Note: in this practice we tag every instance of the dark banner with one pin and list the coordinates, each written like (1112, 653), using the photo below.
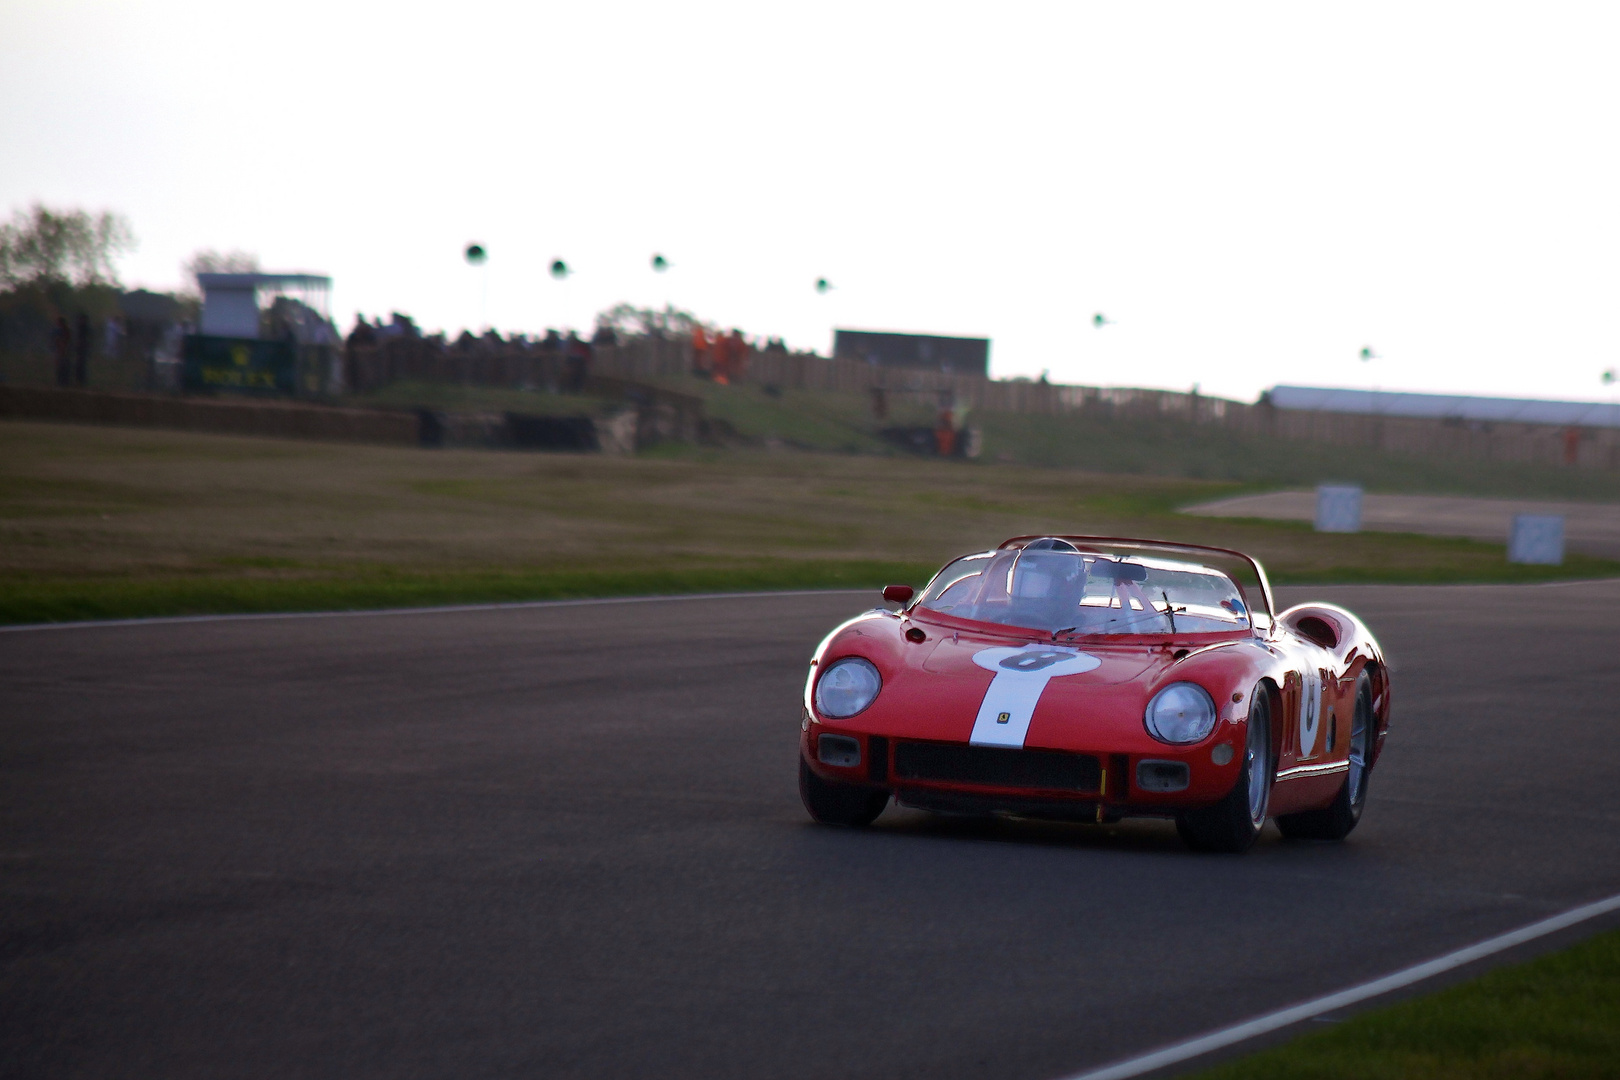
(239, 365)
(952, 355)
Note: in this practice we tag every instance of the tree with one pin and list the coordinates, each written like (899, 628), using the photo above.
(628, 320)
(41, 246)
(209, 261)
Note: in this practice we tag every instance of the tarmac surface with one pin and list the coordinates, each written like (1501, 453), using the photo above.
(567, 842)
(1589, 528)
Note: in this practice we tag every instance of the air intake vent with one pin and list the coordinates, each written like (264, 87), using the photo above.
(839, 750)
(1163, 775)
(1043, 770)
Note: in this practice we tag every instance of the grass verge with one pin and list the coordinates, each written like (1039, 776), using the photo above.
(371, 587)
(257, 589)
(1555, 1017)
(110, 523)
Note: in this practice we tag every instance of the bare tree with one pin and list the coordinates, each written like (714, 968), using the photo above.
(40, 245)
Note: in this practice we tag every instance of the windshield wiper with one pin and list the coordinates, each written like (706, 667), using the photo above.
(1065, 630)
(1170, 610)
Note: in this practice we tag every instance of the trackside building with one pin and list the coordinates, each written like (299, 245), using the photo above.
(927, 352)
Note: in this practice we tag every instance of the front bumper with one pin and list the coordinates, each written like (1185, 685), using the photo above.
(1094, 784)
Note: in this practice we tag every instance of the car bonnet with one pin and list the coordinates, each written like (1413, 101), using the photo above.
(969, 654)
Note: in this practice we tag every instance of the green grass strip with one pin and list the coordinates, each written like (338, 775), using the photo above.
(1555, 1017)
(25, 599)
(30, 601)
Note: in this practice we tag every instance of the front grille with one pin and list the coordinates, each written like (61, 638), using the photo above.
(1043, 770)
(877, 769)
(1119, 777)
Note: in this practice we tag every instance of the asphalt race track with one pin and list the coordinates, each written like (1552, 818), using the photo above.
(567, 842)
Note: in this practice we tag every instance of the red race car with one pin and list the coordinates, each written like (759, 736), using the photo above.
(1087, 678)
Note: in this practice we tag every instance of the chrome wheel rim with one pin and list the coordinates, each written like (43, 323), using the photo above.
(1255, 761)
(1359, 731)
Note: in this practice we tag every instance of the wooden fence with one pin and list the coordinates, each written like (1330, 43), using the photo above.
(666, 360)
(647, 359)
(653, 373)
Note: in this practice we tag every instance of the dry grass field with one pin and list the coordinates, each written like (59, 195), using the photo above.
(109, 522)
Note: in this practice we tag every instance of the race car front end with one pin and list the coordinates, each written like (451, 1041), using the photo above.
(968, 723)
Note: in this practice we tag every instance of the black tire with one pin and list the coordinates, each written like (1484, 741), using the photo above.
(1334, 821)
(1231, 825)
(839, 804)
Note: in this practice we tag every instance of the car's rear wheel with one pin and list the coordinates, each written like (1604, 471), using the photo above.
(1334, 821)
(1232, 824)
(839, 804)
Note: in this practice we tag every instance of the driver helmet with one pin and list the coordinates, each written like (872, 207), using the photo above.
(1050, 571)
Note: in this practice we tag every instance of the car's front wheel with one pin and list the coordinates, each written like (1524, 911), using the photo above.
(839, 804)
(1232, 824)
(1334, 821)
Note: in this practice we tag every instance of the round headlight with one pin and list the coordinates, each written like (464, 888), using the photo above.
(847, 687)
(1181, 713)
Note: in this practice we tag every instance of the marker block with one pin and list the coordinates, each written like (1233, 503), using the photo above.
(1537, 538)
(1338, 508)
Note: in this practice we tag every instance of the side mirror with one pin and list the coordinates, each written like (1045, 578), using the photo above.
(898, 594)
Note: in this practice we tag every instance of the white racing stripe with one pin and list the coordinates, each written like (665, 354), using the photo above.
(1261, 1025)
(1007, 709)
(1021, 677)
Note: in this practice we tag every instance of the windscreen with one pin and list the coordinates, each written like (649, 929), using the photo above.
(1081, 593)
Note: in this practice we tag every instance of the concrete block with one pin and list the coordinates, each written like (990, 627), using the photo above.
(1537, 538)
(1338, 508)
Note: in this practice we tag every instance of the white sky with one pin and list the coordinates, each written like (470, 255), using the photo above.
(1250, 192)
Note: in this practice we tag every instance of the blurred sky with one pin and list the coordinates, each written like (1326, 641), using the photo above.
(1250, 192)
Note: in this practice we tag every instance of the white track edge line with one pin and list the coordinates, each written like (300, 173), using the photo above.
(1215, 1040)
(513, 605)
